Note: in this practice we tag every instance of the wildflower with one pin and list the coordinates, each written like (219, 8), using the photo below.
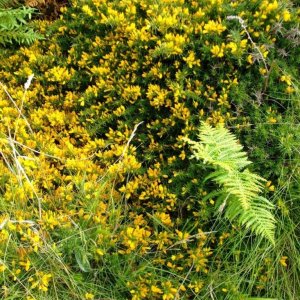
(272, 120)
(4, 235)
(2, 267)
(217, 51)
(129, 188)
(164, 218)
(89, 296)
(50, 219)
(286, 15)
(191, 60)
(25, 264)
(131, 93)
(100, 252)
(250, 59)
(156, 290)
(272, 188)
(139, 293)
(283, 260)
(87, 10)
(289, 90)
(269, 184)
(133, 237)
(15, 274)
(196, 285)
(262, 71)
(213, 27)
(233, 47)
(182, 155)
(271, 6)
(59, 74)
(41, 281)
(199, 257)
(286, 78)
(169, 291)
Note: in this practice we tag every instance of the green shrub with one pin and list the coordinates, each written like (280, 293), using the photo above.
(107, 66)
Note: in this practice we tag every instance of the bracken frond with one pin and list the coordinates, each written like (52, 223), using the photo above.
(258, 217)
(14, 27)
(240, 188)
(220, 148)
(21, 36)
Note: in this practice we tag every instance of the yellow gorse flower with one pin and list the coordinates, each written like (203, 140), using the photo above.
(218, 51)
(89, 296)
(214, 27)
(40, 281)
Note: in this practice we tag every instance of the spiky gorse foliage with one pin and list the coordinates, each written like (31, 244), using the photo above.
(240, 188)
(14, 24)
(138, 220)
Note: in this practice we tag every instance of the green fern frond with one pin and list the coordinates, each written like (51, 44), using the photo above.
(244, 185)
(220, 148)
(258, 217)
(14, 28)
(240, 188)
(21, 36)
(12, 18)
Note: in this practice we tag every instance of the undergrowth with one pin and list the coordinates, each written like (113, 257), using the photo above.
(99, 196)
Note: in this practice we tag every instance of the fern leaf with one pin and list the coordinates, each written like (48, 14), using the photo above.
(244, 185)
(14, 17)
(258, 217)
(14, 28)
(240, 188)
(220, 148)
(20, 36)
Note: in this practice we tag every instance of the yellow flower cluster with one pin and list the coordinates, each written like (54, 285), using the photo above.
(40, 281)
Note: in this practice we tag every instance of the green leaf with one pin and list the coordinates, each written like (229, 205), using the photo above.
(14, 27)
(82, 260)
(240, 188)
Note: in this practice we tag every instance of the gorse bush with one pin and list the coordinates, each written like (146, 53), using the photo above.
(93, 206)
